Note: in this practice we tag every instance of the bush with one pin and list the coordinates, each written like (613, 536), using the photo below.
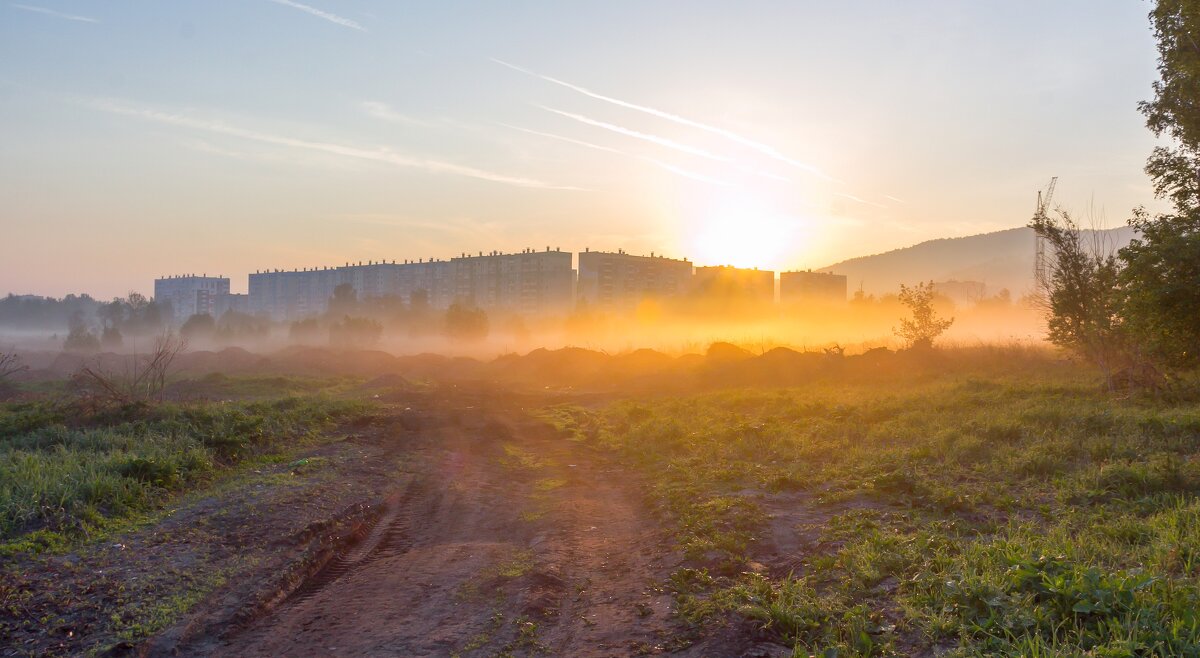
(925, 326)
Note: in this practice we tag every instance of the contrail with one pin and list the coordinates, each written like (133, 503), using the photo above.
(661, 141)
(578, 142)
(683, 172)
(56, 14)
(728, 134)
(384, 112)
(892, 198)
(859, 199)
(377, 154)
(332, 18)
(569, 140)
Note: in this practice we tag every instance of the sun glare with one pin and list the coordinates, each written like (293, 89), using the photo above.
(748, 233)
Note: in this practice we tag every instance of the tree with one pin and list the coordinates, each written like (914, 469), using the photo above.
(10, 364)
(234, 326)
(1079, 293)
(925, 325)
(110, 338)
(304, 331)
(465, 322)
(200, 326)
(1174, 111)
(355, 332)
(142, 379)
(80, 338)
(1161, 302)
(1160, 280)
(344, 300)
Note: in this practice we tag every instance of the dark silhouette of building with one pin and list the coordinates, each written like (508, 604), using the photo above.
(812, 287)
(726, 283)
(621, 280)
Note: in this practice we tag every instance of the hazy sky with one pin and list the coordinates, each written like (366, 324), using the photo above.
(146, 138)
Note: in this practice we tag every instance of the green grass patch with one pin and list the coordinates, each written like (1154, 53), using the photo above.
(966, 516)
(64, 474)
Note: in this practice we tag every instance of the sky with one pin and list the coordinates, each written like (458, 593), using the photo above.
(142, 139)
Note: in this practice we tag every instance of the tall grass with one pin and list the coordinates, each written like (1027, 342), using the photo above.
(61, 473)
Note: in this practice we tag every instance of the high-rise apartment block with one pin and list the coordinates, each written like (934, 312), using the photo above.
(624, 280)
(189, 295)
(812, 287)
(294, 294)
(530, 282)
(725, 283)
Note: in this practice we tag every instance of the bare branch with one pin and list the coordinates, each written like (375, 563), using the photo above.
(10, 364)
(143, 378)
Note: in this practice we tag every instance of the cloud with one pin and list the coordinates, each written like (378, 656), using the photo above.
(728, 134)
(659, 163)
(332, 18)
(56, 14)
(378, 154)
(661, 141)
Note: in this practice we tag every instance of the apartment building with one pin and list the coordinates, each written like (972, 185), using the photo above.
(810, 287)
(189, 294)
(621, 280)
(726, 283)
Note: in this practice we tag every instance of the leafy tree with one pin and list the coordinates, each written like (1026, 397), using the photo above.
(1160, 283)
(351, 332)
(110, 338)
(1079, 293)
(80, 337)
(925, 325)
(234, 326)
(304, 331)
(344, 300)
(465, 322)
(1160, 280)
(200, 326)
(1174, 112)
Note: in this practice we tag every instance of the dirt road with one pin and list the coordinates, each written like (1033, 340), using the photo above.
(502, 538)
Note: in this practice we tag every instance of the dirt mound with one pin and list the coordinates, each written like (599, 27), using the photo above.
(726, 353)
(569, 366)
(229, 361)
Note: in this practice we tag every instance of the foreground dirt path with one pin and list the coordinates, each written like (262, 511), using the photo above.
(502, 539)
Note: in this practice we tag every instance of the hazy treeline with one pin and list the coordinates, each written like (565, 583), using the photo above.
(84, 324)
(88, 324)
(348, 322)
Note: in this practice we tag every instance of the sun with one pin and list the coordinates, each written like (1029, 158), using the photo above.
(748, 233)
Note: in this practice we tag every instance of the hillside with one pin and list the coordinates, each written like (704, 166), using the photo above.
(1003, 259)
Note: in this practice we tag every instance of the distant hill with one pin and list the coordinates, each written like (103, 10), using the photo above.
(1003, 259)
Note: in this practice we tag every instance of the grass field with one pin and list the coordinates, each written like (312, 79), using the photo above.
(961, 516)
(67, 473)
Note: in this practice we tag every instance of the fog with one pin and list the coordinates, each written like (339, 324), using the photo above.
(672, 328)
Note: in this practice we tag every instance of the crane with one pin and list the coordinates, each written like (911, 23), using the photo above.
(1039, 249)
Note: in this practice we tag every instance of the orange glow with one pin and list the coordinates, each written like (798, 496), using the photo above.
(746, 232)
